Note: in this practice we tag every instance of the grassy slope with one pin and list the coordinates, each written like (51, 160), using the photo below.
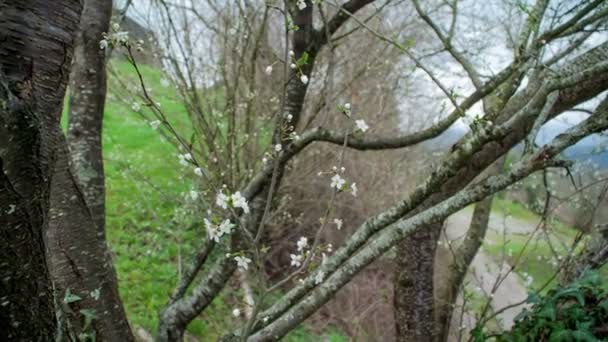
(145, 184)
(537, 258)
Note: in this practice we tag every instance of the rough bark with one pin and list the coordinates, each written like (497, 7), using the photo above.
(26, 295)
(414, 303)
(35, 54)
(86, 106)
(80, 260)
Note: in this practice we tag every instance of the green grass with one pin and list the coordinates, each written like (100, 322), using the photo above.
(143, 186)
(149, 224)
(513, 208)
(537, 258)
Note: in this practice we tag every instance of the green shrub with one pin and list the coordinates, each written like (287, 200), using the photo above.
(577, 312)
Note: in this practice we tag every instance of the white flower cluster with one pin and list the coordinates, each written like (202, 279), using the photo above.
(155, 124)
(242, 262)
(216, 232)
(236, 200)
(268, 70)
(303, 78)
(337, 182)
(338, 223)
(296, 259)
(361, 125)
(116, 37)
(185, 159)
(301, 4)
(340, 183)
(345, 109)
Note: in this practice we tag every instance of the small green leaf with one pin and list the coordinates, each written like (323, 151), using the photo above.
(303, 60)
(70, 297)
(584, 335)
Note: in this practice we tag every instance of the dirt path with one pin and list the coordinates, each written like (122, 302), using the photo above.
(485, 269)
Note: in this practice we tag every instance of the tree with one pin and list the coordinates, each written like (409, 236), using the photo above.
(513, 112)
(34, 65)
(77, 194)
(242, 191)
(45, 190)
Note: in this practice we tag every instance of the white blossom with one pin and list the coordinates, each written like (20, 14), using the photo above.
(301, 4)
(221, 200)
(304, 79)
(353, 189)
(198, 171)
(291, 53)
(278, 147)
(337, 182)
(347, 106)
(238, 201)
(338, 223)
(122, 36)
(135, 107)
(268, 70)
(213, 231)
(242, 262)
(302, 243)
(193, 195)
(225, 227)
(155, 124)
(103, 44)
(184, 159)
(293, 65)
(296, 260)
(361, 125)
(236, 312)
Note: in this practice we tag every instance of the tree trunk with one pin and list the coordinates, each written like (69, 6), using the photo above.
(35, 55)
(78, 197)
(80, 261)
(86, 106)
(26, 295)
(414, 302)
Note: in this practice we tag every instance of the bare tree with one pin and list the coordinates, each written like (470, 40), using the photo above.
(532, 87)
